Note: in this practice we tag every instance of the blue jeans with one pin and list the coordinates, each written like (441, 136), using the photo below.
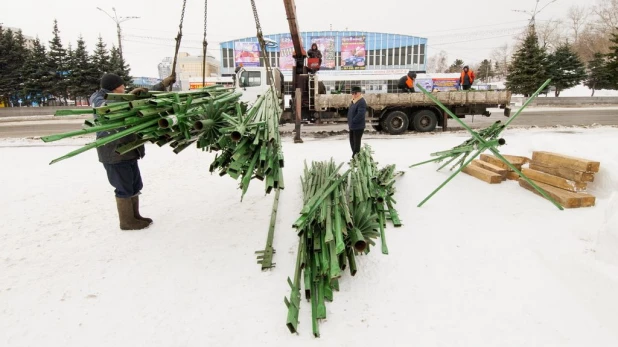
(125, 177)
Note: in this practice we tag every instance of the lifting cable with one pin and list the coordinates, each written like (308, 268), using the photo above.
(260, 37)
(204, 45)
(178, 38)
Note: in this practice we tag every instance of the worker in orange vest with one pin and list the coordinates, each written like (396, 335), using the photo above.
(406, 83)
(467, 78)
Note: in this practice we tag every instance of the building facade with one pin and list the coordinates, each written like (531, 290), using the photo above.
(354, 52)
(188, 68)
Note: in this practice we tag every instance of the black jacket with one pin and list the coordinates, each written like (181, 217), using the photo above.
(107, 154)
(356, 114)
(314, 53)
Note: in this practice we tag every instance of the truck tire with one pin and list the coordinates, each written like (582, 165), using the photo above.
(425, 121)
(396, 123)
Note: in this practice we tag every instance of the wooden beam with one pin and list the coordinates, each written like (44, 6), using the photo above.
(516, 159)
(512, 175)
(555, 181)
(578, 176)
(482, 174)
(497, 162)
(559, 160)
(565, 198)
(491, 167)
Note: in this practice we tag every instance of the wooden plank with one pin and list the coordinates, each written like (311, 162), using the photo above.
(497, 162)
(491, 167)
(564, 198)
(516, 159)
(555, 181)
(578, 176)
(559, 160)
(482, 174)
(512, 175)
(587, 200)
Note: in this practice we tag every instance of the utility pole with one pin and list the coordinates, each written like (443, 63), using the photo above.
(535, 12)
(118, 20)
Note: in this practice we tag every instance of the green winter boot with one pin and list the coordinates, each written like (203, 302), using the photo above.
(125, 215)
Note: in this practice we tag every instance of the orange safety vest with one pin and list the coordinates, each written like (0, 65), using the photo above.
(410, 83)
(470, 75)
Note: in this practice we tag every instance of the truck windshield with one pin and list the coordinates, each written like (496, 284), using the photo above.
(251, 79)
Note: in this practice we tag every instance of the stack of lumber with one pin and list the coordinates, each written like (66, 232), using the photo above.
(492, 170)
(563, 177)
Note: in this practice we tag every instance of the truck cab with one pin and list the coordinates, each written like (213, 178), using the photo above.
(252, 82)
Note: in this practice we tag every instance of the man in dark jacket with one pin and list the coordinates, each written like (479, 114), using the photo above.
(356, 119)
(406, 83)
(122, 169)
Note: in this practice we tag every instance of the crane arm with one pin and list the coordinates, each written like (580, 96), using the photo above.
(290, 11)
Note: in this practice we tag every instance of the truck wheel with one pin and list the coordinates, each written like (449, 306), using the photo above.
(396, 123)
(425, 121)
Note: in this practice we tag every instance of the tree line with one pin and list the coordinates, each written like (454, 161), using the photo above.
(582, 47)
(36, 74)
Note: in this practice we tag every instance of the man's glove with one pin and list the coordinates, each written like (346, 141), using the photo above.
(169, 80)
(138, 91)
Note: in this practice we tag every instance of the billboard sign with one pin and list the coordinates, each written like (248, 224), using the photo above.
(286, 52)
(326, 45)
(353, 53)
(247, 53)
(445, 84)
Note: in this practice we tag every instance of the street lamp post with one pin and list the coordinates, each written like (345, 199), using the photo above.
(118, 20)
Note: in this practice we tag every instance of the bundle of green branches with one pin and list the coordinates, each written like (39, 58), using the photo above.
(212, 117)
(463, 151)
(340, 220)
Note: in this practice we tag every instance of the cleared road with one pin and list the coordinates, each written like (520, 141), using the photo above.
(542, 117)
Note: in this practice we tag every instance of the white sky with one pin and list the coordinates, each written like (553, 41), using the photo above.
(469, 30)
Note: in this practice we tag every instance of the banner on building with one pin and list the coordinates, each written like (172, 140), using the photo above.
(353, 53)
(286, 52)
(426, 83)
(445, 84)
(247, 53)
(326, 45)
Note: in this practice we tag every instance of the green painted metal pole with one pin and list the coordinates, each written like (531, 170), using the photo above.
(265, 257)
(452, 176)
(532, 97)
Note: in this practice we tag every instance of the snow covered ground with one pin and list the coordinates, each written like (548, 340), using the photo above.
(478, 265)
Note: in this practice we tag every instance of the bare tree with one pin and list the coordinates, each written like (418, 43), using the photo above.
(607, 13)
(438, 62)
(550, 34)
(501, 56)
(577, 19)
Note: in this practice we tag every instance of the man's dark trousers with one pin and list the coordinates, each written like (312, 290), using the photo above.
(355, 140)
(125, 177)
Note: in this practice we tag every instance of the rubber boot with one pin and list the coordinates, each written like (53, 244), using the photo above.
(135, 202)
(125, 214)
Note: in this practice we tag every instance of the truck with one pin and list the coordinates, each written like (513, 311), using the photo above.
(389, 112)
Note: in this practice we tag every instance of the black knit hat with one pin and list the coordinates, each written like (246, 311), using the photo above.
(111, 81)
(356, 89)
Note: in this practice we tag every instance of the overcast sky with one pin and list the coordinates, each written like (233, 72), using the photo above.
(469, 30)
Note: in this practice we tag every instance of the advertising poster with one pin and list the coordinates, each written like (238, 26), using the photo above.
(445, 84)
(353, 53)
(247, 53)
(326, 45)
(426, 83)
(286, 51)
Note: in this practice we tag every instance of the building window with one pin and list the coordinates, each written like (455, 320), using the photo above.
(371, 54)
(415, 56)
(396, 56)
(422, 55)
